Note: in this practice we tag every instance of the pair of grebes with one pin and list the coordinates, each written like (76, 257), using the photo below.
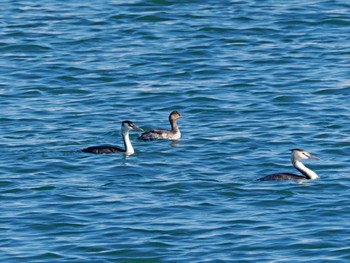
(175, 134)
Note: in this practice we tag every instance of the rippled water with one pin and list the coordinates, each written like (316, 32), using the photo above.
(253, 80)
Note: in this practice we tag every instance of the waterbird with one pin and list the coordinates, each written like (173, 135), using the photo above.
(297, 156)
(126, 126)
(173, 134)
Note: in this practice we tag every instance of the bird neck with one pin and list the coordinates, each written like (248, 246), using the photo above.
(308, 173)
(127, 143)
(173, 124)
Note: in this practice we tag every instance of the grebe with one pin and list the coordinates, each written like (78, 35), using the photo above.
(106, 149)
(173, 134)
(297, 156)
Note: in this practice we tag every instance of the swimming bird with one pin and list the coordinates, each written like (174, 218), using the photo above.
(297, 156)
(173, 134)
(107, 149)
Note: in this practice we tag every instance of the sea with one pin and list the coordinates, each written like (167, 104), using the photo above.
(253, 79)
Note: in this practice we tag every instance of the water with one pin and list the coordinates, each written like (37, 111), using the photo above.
(253, 80)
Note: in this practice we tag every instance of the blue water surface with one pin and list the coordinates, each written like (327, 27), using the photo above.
(253, 79)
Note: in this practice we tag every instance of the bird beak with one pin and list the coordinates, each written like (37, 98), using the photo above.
(314, 157)
(136, 128)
